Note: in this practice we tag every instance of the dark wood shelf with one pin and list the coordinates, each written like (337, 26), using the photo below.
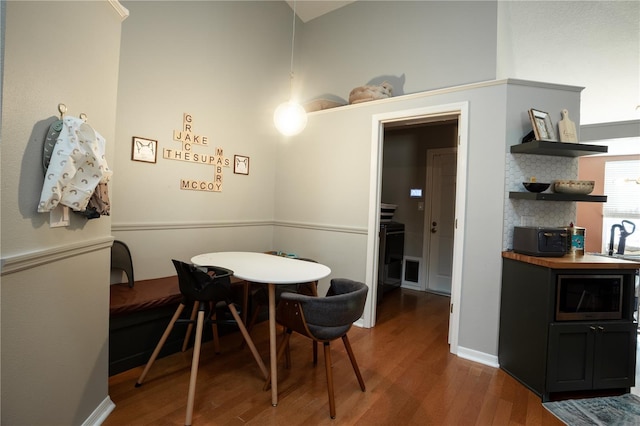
(560, 149)
(553, 196)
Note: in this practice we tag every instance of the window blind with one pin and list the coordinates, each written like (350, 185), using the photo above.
(622, 188)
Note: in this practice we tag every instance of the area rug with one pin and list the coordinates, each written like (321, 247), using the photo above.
(621, 410)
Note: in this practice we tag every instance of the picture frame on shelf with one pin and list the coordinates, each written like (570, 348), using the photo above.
(542, 125)
(143, 149)
(240, 165)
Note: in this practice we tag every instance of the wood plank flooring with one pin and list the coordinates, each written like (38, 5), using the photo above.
(411, 379)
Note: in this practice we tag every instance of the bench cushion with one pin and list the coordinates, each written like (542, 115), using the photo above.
(144, 295)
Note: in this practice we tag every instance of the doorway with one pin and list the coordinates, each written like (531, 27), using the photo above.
(456, 111)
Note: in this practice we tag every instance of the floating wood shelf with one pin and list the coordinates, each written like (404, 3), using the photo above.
(553, 196)
(561, 149)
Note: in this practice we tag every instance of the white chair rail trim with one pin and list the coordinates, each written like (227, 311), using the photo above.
(145, 226)
(20, 262)
(323, 227)
(154, 226)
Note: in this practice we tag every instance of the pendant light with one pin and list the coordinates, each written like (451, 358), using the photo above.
(290, 117)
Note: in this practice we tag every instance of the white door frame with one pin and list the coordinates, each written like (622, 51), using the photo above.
(461, 111)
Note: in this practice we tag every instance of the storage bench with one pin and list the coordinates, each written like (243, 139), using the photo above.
(139, 315)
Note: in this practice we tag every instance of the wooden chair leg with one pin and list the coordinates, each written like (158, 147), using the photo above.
(187, 335)
(327, 366)
(347, 346)
(160, 344)
(247, 338)
(194, 368)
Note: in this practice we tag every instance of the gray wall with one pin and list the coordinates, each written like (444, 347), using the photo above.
(55, 282)
(229, 69)
(217, 84)
(593, 44)
(433, 44)
(337, 203)
(198, 58)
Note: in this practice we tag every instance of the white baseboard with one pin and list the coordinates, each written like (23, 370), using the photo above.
(101, 413)
(480, 357)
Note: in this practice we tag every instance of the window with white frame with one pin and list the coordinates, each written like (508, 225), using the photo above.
(622, 187)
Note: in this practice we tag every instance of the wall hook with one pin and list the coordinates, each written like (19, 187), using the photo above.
(63, 109)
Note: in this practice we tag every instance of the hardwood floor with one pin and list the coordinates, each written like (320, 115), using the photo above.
(411, 379)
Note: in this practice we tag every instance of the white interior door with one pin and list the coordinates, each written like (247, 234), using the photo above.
(440, 218)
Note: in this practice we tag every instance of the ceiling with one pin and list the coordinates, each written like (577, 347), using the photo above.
(310, 9)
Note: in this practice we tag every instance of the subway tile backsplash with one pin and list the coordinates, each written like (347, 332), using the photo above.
(520, 168)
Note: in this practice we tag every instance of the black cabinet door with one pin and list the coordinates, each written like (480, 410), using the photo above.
(570, 358)
(585, 356)
(615, 355)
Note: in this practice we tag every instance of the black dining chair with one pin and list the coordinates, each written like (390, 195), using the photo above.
(121, 260)
(324, 319)
(210, 291)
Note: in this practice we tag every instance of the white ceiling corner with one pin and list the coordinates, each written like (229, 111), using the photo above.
(311, 9)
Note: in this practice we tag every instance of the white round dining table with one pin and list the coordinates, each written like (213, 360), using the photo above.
(271, 270)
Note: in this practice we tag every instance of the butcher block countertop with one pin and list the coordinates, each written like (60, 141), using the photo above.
(588, 261)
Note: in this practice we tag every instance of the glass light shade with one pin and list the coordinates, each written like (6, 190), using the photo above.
(290, 118)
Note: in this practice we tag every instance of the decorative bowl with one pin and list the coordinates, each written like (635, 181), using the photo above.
(535, 186)
(573, 186)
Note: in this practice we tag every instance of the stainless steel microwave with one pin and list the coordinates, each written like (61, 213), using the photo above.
(589, 297)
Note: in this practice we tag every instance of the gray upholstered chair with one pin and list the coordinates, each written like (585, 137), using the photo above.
(324, 319)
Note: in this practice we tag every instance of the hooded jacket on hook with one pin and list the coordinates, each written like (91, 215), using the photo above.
(77, 166)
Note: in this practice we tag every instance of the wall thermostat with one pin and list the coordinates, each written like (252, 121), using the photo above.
(415, 193)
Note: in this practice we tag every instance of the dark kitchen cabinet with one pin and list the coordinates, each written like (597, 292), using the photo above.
(548, 355)
(598, 355)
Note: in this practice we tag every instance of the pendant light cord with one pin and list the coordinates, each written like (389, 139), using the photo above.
(293, 37)
(290, 117)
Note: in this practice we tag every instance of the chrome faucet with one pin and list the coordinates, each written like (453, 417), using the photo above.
(623, 236)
